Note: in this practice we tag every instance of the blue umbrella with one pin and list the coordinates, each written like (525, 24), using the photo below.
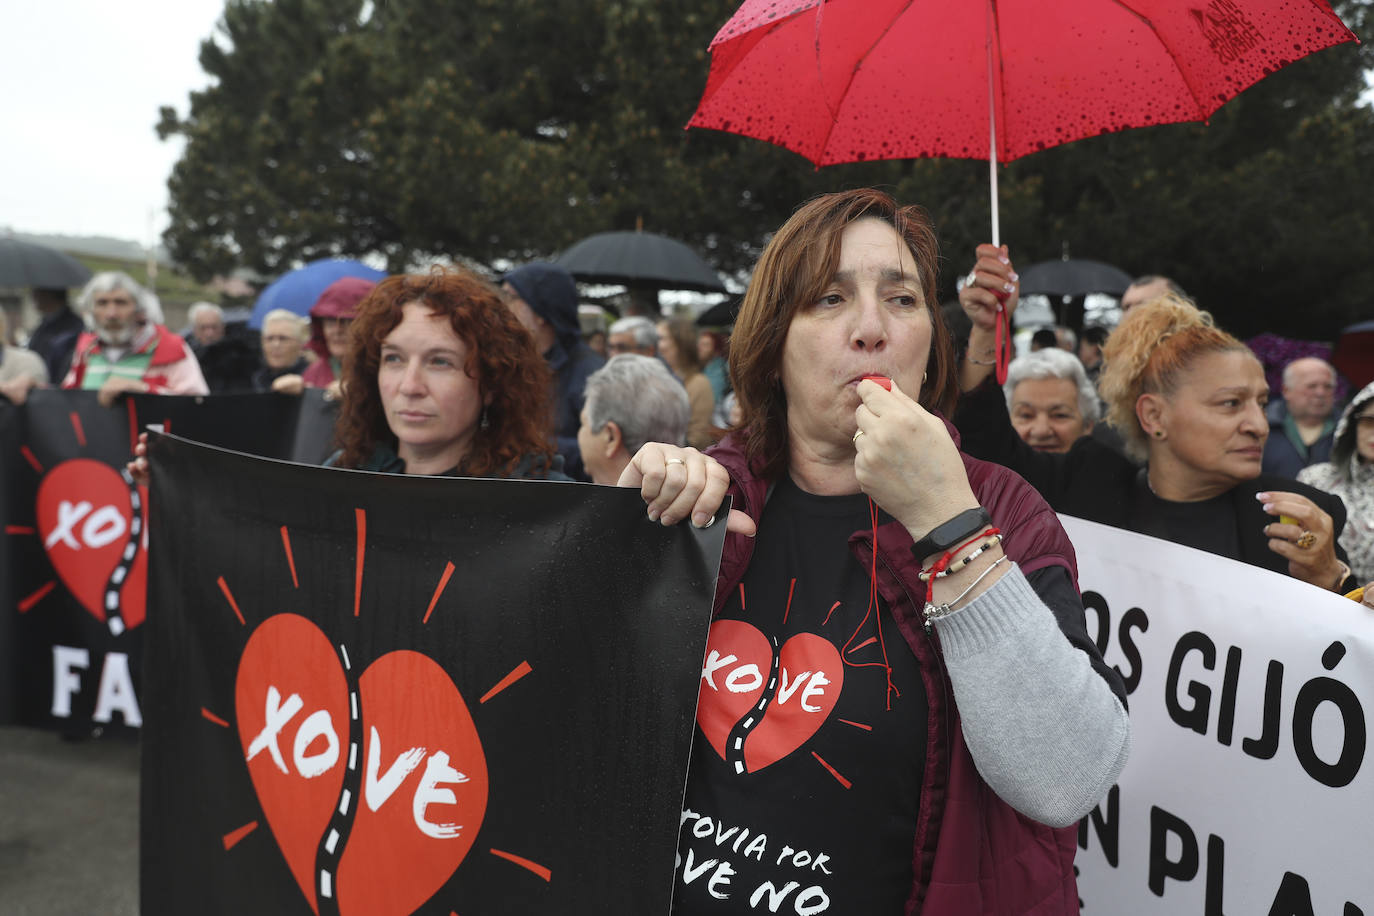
(297, 291)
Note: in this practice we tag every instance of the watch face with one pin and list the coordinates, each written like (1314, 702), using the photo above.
(953, 532)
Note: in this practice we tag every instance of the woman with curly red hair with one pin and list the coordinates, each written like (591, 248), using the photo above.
(440, 378)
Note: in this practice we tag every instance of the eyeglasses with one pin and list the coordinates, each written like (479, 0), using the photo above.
(1365, 422)
(619, 348)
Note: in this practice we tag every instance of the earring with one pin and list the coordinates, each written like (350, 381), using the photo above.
(1159, 434)
(923, 377)
(485, 422)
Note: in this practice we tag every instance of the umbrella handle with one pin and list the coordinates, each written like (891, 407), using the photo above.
(1002, 341)
(992, 132)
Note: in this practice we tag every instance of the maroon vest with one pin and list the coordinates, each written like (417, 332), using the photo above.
(973, 853)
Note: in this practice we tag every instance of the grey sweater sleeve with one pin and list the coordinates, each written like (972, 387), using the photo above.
(1045, 730)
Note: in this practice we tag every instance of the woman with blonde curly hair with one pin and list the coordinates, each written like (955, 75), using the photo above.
(1188, 399)
(440, 378)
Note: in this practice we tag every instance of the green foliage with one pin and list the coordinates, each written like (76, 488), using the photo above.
(493, 129)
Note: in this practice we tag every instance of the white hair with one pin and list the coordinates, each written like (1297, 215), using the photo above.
(1288, 369)
(200, 308)
(111, 280)
(644, 330)
(1052, 362)
(298, 322)
(642, 397)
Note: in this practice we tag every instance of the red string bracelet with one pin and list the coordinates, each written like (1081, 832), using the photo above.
(940, 565)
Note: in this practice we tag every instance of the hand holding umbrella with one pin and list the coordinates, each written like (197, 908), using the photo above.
(989, 297)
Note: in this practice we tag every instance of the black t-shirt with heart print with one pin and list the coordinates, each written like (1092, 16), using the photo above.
(806, 768)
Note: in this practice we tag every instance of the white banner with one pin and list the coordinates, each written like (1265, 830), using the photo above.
(1249, 788)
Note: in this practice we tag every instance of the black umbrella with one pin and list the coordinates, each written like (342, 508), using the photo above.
(722, 314)
(29, 264)
(1073, 277)
(642, 259)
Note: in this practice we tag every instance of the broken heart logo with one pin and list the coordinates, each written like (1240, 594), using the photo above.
(759, 703)
(375, 786)
(92, 520)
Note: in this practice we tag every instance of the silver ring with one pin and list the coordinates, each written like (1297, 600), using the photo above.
(709, 524)
(971, 279)
(674, 461)
(857, 435)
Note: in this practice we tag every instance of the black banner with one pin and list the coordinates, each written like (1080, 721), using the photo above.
(380, 694)
(73, 572)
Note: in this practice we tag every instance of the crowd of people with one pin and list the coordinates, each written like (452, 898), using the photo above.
(877, 470)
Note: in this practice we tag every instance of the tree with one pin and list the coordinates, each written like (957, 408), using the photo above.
(486, 130)
(507, 130)
(274, 168)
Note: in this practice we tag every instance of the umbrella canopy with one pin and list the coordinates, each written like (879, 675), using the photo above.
(722, 314)
(297, 290)
(1073, 277)
(30, 264)
(849, 80)
(639, 259)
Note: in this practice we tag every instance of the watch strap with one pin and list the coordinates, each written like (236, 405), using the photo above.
(947, 535)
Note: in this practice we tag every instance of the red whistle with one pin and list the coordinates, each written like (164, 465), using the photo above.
(881, 380)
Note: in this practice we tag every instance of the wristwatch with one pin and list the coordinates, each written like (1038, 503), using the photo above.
(951, 534)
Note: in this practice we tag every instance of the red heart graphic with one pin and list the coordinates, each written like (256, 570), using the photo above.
(94, 541)
(739, 662)
(420, 771)
(779, 708)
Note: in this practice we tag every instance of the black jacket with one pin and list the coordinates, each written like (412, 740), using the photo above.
(1099, 484)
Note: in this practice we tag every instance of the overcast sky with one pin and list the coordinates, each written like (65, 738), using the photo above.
(82, 82)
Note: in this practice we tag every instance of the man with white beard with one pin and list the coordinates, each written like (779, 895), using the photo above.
(126, 350)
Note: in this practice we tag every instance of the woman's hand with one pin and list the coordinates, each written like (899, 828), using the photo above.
(17, 389)
(138, 468)
(288, 384)
(1309, 546)
(680, 482)
(906, 461)
(992, 284)
(115, 386)
(995, 283)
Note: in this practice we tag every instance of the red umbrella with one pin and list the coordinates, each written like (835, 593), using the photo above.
(851, 80)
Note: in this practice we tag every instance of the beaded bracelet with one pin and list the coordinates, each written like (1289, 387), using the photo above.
(980, 362)
(948, 557)
(933, 612)
(939, 565)
(932, 573)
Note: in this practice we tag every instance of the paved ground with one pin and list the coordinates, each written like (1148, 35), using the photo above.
(68, 825)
